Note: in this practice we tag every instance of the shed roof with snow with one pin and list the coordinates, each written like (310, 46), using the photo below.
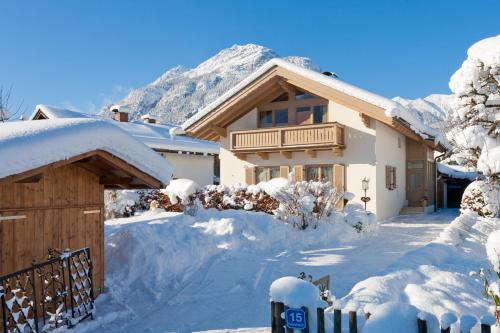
(30, 147)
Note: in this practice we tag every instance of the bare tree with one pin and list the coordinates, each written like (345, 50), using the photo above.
(7, 111)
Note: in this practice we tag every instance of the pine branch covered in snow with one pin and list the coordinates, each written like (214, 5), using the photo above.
(473, 121)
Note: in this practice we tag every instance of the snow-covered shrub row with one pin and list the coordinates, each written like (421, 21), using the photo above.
(121, 203)
(483, 198)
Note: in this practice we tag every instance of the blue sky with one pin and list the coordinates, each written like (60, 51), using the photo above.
(81, 54)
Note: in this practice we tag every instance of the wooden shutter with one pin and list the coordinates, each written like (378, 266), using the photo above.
(299, 173)
(284, 171)
(339, 181)
(388, 177)
(393, 177)
(250, 175)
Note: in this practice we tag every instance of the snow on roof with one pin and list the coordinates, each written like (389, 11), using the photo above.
(155, 136)
(31, 144)
(456, 171)
(53, 112)
(392, 108)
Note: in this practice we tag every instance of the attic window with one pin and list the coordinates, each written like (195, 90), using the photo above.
(300, 95)
(281, 98)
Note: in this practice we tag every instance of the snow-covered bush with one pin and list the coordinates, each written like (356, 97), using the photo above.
(360, 219)
(120, 203)
(472, 124)
(182, 192)
(304, 204)
(483, 198)
(492, 286)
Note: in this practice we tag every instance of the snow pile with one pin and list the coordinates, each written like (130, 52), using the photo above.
(181, 189)
(154, 254)
(483, 198)
(360, 219)
(456, 171)
(434, 278)
(493, 250)
(32, 144)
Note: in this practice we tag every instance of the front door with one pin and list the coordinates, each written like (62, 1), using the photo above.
(414, 182)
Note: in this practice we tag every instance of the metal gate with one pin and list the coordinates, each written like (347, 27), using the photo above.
(50, 294)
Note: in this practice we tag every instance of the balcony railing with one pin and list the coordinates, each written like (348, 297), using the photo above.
(318, 136)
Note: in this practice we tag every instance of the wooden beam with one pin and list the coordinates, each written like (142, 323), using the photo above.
(263, 155)
(241, 156)
(221, 131)
(311, 153)
(114, 180)
(286, 154)
(365, 119)
(287, 87)
(337, 151)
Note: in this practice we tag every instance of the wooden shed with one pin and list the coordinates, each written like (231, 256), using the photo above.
(60, 205)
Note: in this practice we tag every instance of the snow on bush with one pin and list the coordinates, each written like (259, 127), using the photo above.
(472, 122)
(483, 198)
(120, 203)
(181, 189)
(305, 204)
(360, 219)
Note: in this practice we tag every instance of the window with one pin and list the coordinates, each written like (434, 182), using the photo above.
(299, 95)
(322, 173)
(319, 114)
(281, 117)
(390, 177)
(265, 118)
(265, 174)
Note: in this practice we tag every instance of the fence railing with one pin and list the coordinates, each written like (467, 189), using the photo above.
(54, 293)
(279, 325)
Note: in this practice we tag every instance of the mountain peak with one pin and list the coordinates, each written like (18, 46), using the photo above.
(180, 92)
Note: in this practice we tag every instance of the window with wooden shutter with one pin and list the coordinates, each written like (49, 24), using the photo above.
(339, 181)
(284, 171)
(390, 177)
(393, 177)
(298, 170)
(250, 175)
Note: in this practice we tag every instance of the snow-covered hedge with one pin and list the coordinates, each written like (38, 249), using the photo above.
(483, 198)
(120, 203)
(301, 204)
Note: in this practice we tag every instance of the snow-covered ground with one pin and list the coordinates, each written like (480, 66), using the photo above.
(168, 272)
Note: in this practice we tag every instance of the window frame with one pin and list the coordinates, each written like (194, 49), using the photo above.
(390, 177)
(267, 170)
(319, 172)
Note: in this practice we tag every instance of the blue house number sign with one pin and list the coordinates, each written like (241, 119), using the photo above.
(295, 318)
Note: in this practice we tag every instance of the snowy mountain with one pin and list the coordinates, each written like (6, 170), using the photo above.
(431, 110)
(180, 92)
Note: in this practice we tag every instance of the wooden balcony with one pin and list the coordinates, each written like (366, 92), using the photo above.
(289, 138)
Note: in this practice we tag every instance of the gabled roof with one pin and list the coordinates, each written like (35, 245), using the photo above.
(31, 145)
(155, 136)
(384, 109)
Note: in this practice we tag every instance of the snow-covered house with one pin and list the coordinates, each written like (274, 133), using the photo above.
(287, 120)
(189, 157)
(52, 180)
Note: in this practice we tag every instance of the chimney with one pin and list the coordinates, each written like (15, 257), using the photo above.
(118, 115)
(148, 119)
(332, 74)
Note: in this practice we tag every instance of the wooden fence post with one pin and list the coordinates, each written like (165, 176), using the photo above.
(337, 321)
(421, 325)
(306, 311)
(279, 327)
(321, 320)
(485, 328)
(353, 322)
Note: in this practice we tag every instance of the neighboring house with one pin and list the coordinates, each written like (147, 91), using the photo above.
(190, 158)
(52, 181)
(284, 118)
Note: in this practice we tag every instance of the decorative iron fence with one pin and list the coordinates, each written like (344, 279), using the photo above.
(50, 294)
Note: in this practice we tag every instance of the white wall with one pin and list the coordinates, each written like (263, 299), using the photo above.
(388, 152)
(196, 167)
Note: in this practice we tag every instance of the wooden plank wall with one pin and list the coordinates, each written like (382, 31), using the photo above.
(60, 213)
